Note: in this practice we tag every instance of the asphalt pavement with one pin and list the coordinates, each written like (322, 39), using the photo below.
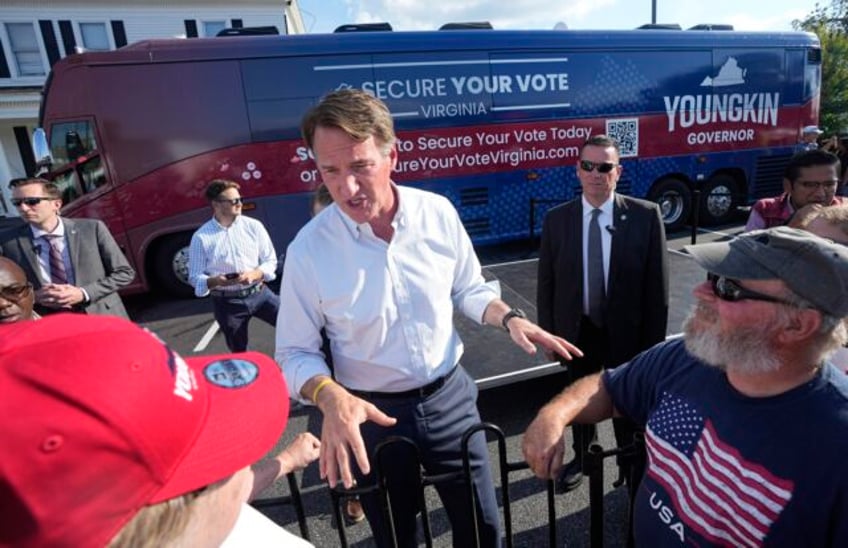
(187, 325)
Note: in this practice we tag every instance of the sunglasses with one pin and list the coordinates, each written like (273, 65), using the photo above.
(603, 167)
(728, 289)
(232, 201)
(31, 202)
(15, 293)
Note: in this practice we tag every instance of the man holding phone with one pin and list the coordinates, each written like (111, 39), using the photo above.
(231, 257)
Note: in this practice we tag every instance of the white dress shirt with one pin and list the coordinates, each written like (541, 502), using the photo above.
(253, 530)
(387, 307)
(216, 249)
(605, 221)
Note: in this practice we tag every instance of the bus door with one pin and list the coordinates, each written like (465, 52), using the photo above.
(79, 170)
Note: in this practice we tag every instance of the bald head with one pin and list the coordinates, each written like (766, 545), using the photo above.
(16, 294)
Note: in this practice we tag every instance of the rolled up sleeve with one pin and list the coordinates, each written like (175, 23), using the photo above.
(267, 255)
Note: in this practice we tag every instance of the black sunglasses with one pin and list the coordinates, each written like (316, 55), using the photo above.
(604, 167)
(231, 201)
(15, 293)
(34, 201)
(728, 289)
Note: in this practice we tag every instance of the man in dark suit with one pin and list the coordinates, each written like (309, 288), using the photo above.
(73, 264)
(603, 286)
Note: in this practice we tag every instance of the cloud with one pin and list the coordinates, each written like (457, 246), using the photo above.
(518, 14)
(725, 12)
(776, 21)
(577, 14)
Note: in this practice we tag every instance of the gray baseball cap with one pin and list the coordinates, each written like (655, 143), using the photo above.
(814, 268)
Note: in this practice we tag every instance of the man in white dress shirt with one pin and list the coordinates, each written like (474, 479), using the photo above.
(382, 270)
(231, 257)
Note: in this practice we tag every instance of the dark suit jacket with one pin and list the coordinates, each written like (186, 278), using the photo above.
(637, 284)
(99, 266)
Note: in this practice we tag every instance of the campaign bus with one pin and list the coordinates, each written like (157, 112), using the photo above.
(491, 119)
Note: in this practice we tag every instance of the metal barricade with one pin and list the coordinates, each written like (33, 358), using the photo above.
(593, 468)
(425, 481)
(293, 498)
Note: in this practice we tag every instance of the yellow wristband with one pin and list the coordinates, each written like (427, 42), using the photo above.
(321, 386)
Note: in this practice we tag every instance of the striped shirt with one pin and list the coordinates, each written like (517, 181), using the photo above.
(216, 249)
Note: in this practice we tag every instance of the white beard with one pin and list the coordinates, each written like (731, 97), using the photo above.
(749, 347)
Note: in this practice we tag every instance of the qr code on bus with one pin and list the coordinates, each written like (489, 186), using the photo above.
(626, 132)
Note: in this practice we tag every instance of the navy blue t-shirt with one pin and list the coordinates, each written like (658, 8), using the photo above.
(727, 469)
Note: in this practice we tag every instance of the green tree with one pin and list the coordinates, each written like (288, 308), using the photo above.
(830, 23)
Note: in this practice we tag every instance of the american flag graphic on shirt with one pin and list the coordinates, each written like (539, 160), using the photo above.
(716, 492)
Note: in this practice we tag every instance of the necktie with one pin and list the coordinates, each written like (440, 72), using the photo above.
(58, 274)
(595, 271)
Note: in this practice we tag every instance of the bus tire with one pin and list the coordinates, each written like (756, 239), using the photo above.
(675, 201)
(170, 265)
(719, 200)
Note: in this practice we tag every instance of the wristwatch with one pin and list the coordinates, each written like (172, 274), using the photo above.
(514, 313)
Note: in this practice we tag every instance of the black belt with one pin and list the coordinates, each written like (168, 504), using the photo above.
(238, 294)
(420, 393)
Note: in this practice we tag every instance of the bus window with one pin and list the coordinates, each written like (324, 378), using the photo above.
(69, 141)
(86, 176)
(93, 174)
(69, 186)
(77, 164)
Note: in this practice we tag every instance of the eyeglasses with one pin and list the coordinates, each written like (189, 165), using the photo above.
(31, 202)
(231, 201)
(15, 293)
(604, 167)
(728, 289)
(815, 185)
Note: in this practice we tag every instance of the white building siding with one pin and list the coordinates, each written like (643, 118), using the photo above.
(20, 95)
(172, 25)
(139, 23)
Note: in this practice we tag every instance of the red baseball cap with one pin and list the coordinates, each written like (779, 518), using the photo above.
(99, 418)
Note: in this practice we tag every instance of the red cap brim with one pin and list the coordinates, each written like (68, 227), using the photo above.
(245, 418)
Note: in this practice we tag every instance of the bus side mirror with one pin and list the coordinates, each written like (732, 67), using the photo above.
(41, 151)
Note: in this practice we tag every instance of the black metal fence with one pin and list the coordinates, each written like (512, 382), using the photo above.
(593, 468)
(293, 499)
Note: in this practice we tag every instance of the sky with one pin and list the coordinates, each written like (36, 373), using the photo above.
(772, 15)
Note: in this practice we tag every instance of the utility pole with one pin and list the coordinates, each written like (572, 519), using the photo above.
(654, 12)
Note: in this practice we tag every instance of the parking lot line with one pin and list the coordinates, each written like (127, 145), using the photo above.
(207, 337)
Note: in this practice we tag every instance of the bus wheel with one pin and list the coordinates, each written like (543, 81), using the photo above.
(719, 200)
(675, 201)
(170, 265)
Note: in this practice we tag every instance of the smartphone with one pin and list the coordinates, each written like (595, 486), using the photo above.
(231, 275)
